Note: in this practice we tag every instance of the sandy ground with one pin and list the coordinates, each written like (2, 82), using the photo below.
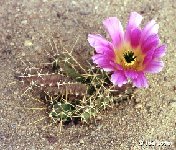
(26, 26)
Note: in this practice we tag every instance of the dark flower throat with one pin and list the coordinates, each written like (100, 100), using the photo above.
(129, 56)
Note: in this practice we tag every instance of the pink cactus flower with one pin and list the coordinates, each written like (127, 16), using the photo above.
(130, 54)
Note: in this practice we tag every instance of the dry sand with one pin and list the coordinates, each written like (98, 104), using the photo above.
(26, 26)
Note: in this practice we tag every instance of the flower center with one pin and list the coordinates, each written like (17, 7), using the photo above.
(129, 57)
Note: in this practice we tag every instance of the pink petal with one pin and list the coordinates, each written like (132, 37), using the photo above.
(97, 56)
(150, 43)
(115, 30)
(150, 29)
(133, 23)
(154, 66)
(140, 81)
(131, 74)
(117, 66)
(134, 20)
(103, 62)
(99, 43)
(118, 78)
(135, 37)
(154, 54)
(148, 56)
(159, 52)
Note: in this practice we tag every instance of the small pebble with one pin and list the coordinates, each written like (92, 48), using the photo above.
(12, 44)
(74, 2)
(93, 133)
(28, 43)
(173, 104)
(99, 117)
(81, 141)
(99, 127)
(137, 100)
(23, 54)
(24, 22)
(139, 105)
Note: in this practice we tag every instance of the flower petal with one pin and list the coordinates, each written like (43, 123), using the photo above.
(134, 20)
(159, 52)
(118, 78)
(140, 81)
(154, 66)
(148, 56)
(135, 37)
(131, 74)
(115, 30)
(99, 43)
(150, 43)
(150, 29)
(133, 23)
(103, 62)
(116, 65)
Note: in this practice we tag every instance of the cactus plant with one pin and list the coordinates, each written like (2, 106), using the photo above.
(73, 92)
